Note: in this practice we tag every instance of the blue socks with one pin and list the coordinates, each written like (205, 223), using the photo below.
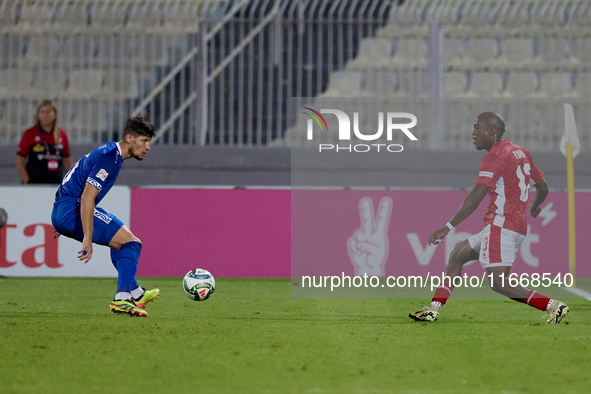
(125, 261)
(136, 290)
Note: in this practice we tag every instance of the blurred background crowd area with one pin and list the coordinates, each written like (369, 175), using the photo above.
(222, 73)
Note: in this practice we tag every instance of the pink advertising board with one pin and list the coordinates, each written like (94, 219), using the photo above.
(258, 233)
(325, 223)
(231, 233)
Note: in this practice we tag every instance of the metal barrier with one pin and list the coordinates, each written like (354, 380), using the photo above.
(271, 51)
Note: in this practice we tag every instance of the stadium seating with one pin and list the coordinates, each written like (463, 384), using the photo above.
(41, 48)
(84, 115)
(120, 84)
(344, 84)
(486, 84)
(109, 16)
(71, 17)
(16, 83)
(517, 52)
(411, 52)
(554, 51)
(35, 19)
(454, 52)
(373, 53)
(455, 84)
(456, 125)
(481, 51)
(382, 82)
(522, 84)
(529, 52)
(84, 83)
(556, 84)
(16, 115)
(583, 85)
(97, 52)
(413, 83)
(49, 83)
(584, 55)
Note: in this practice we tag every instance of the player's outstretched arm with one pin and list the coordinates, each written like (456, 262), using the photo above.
(469, 205)
(541, 194)
(87, 205)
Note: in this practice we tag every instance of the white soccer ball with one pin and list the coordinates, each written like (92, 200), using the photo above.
(198, 284)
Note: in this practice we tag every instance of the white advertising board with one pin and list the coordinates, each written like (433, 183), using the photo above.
(26, 244)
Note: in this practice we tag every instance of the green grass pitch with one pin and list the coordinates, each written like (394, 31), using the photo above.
(58, 336)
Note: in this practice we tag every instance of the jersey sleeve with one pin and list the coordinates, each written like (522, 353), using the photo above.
(535, 174)
(105, 168)
(24, 144)
(489, 171)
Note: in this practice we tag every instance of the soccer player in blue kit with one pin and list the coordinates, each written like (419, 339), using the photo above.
(76, 215)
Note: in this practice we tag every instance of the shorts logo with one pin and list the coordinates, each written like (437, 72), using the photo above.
(102, 175)
(102, 216)
(486, 174)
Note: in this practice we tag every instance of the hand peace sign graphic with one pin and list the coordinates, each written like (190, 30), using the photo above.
(368, 247)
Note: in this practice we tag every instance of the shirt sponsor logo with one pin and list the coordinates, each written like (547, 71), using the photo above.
(102, 175)
(486, 174)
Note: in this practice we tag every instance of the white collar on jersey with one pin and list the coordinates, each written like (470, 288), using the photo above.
(119, 149)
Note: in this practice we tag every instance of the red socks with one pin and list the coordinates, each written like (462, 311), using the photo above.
(535, 299)
(538, 300)
(441, 295)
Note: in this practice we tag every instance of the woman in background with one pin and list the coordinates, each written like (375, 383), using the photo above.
(43, 154)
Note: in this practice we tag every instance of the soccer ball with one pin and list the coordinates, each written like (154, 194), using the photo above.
(198, 284)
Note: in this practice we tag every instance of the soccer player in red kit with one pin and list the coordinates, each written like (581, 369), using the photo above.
(505, 174)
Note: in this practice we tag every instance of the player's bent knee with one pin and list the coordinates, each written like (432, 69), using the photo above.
(130, 251)
(123, 236)
(133, 238)
(135, 246)
(462, 254)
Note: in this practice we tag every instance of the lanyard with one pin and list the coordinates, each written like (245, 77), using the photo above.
(48, 153)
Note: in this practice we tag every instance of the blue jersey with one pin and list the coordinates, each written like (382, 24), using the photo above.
(99, 168)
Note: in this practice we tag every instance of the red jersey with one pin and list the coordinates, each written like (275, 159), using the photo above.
(44, 155)
(508, 170)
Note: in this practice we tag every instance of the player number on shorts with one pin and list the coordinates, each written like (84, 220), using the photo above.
(522, 184)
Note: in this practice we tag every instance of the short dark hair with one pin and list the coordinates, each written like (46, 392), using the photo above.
(139, 126)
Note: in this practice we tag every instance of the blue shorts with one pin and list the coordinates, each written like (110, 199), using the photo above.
(67, 221)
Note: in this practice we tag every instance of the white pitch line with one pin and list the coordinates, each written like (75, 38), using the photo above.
(579, 292)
